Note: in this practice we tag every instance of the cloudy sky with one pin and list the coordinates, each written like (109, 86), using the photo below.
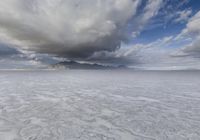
(142, 34)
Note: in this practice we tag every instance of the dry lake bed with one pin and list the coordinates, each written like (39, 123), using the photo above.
(99, 105)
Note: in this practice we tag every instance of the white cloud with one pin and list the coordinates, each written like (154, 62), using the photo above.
(192, 30)
(159, 55)
(71, 28)
(193, 48)
(135, 53)
(183, 16)
(90, 30)
(192, 27)
(74, 29)
(151, 9)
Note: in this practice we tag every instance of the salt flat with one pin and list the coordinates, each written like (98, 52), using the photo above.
(99, 105)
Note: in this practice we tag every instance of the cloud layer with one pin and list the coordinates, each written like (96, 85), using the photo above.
(74, 29)
(192, 30)
(70, 28)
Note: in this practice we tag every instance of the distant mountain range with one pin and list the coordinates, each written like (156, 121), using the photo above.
(77, 65)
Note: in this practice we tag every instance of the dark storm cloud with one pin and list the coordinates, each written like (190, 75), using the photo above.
(72, 29)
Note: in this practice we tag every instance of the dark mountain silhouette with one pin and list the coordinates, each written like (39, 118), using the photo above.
(77, 65)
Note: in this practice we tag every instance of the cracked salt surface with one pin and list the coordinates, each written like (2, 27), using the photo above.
(99, 105)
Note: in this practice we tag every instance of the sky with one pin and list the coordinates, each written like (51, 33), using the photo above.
(140, 34)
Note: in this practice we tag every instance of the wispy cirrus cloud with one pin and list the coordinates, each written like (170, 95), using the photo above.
(192, 30)
(183, 16)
